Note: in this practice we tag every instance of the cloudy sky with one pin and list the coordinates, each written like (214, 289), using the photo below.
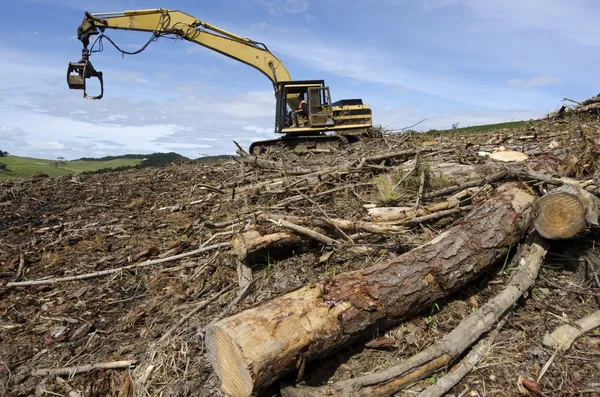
(466, 61)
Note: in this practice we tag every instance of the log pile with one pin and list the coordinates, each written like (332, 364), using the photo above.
(251, 274)
(254, 348)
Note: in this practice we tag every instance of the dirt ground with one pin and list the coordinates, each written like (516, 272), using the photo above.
(72, 225)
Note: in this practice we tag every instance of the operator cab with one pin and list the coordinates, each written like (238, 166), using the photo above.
(319, 109)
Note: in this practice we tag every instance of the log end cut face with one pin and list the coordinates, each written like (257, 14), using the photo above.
(560, 216)
(228, 363)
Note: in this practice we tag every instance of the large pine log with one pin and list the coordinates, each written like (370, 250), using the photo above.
(566, 212)
(252, 349)
(445, 350)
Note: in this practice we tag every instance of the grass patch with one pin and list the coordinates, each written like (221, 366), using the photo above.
(384, 184)
(25, 167)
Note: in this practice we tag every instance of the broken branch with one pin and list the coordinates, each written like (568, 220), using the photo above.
(118, 269)
(82, 368)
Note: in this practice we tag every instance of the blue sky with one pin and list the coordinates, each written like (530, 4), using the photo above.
(466, 61)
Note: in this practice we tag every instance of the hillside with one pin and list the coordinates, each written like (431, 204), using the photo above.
(24, 167)
(247, 232)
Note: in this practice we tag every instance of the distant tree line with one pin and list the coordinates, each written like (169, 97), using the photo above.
(156, 159)
(109, 158)
(211, 159)
(3, 154)
(149, 160)
(162, 159)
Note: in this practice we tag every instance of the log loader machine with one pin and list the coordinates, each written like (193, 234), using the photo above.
(310, 128)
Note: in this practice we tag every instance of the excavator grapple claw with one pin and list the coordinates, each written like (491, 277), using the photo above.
(79, 72)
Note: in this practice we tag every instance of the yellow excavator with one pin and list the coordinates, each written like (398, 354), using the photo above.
(304, 111)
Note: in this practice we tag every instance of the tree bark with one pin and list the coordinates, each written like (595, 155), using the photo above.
(566, 212)
(252, 349)
(444, 351)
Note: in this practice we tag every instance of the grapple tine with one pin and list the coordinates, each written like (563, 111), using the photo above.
(97, 75)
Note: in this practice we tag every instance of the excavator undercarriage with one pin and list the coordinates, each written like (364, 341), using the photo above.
(301, 144)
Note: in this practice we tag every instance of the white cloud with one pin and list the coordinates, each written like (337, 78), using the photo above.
(43, 120)
(88, 5)
(47, 146)
(129, 77)
(575, 20)
(374, 66)
(434, 5)
(10, 133)
(162, 76)
(539, 81)
(281, 7)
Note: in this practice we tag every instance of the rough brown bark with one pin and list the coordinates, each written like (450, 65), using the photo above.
(443, 352)
(251, 350)
(566, 212)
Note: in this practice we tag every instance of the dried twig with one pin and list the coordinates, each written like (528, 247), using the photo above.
(21, 268)
(297, 198)
(192, 312)
(571, 100)
(71, 392)
(420, 193)
(595, 273)
(82, 368)
(393, 156)
(498, 176)
(118, 269)
(409, 127)
(563, 337)
(343, 224)
(336, 227)
(459, 371)
(409, 173)
(211, 188)
(306, 232)
(435, 215)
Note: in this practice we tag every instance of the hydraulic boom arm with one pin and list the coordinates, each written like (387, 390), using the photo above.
(161, 22)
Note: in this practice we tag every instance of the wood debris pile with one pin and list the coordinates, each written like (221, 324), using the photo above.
(434, 263)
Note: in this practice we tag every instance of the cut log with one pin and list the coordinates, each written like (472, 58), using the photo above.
(252, 349)
(252, 247)
(444, 351)
(566, 212)
(509, 156)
